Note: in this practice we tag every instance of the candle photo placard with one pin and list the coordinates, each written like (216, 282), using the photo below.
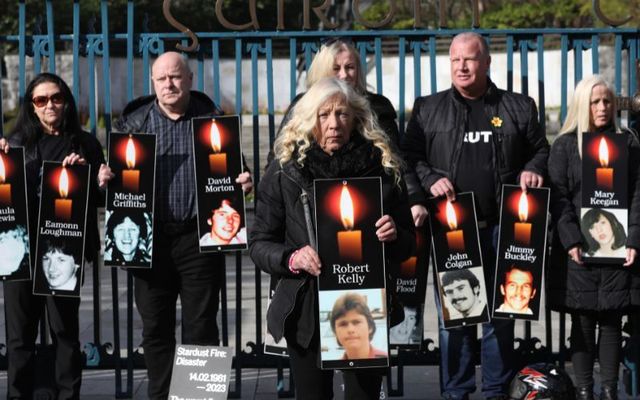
(128, 239)
(522, 245)
(352, 279)
(59, 256)
(604, 212)
(457, 256)
(15, 259)
(411, 287)
(218, 162)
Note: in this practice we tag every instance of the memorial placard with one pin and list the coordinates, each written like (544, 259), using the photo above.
(130, 201)
(461, 285)
(15, 259)
(604, 214)
(522, 244)
(218, 162)
(352, 285)
(200, 373)
(61, 229)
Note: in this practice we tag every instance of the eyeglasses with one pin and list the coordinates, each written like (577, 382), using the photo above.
(41, 101)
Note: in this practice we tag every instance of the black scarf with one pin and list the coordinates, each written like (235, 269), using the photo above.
(359, 157)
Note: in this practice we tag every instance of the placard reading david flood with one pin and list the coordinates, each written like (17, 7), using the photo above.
(200, 373)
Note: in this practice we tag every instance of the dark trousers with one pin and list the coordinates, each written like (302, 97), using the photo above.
(458, 346)
(179, 269)
(583, 347)
(313, 383)
(23, 311)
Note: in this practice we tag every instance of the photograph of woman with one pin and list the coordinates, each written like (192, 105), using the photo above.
(595, 294)
(127, 238)
(604, 233)
(332, 133)
(14, 252)
(49, 128)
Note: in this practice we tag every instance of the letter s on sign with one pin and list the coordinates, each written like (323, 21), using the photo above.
(166, 10)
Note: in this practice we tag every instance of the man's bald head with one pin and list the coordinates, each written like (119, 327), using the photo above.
(172, 79)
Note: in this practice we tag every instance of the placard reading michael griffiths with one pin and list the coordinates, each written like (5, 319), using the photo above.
(604, 197)
(346, 211)
(15, 260)
(458, 260)
(128, 239)
(200, 373)
(61, 229)
(218, 162)
(522, 243)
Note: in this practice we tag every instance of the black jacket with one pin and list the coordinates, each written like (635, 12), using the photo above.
(89, 148)
(280, 229)
(433, 139)
(587, 287)
(135, 114)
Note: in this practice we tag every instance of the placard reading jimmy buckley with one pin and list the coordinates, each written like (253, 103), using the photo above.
(200, 372)
(604, 212)
(411, 288)
(353, 317)
(15, 260)
(61, 229)
(128, 239)
(522, 243)
(458, 260)
(218, 162)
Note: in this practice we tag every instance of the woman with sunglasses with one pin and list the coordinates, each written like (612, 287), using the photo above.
(49, 129)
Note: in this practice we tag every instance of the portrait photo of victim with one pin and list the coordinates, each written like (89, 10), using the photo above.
(464, 293)
(409, 331)
(60, 266)
(127, 237)
(604, 233)
(14, 251)
(518, 290)
(226, 226)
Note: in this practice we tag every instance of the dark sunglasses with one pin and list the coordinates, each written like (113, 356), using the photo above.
(329, 40)
(41, 101)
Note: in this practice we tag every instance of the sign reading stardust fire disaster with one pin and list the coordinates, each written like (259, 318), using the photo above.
(128, 239)
(200, 373)
(352, 299)
(15, 259)
(411, 289)
(218, 162)
(521, 252)
(61, 229)
(458, 260)
(604, 213)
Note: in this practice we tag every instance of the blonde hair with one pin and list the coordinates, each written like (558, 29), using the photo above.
(322, 64)
(578, 118)
(297, 135)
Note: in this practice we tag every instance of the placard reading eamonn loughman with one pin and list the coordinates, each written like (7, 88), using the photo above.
(200, 372)
(352, 297)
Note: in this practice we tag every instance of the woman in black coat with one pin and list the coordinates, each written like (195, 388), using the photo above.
(49, 129)
(594, 293)
(332, 133)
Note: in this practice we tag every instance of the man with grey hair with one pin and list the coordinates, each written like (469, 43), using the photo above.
(179, 269)
(474, 137)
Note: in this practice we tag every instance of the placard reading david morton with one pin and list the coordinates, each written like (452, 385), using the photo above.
(200, 372)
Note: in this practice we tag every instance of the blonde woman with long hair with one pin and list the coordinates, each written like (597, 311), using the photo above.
(596, 294)
(331, 134)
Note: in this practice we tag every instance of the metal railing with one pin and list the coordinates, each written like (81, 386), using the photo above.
(411, 47)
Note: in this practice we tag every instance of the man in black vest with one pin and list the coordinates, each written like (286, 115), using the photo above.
(474, 137)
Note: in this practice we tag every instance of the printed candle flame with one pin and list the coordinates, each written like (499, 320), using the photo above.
(63, 205)
(349, 240)
(522, 229)
(455, 238)
(604, 175)
(131, 177)
(217, 160)
(5, 188)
